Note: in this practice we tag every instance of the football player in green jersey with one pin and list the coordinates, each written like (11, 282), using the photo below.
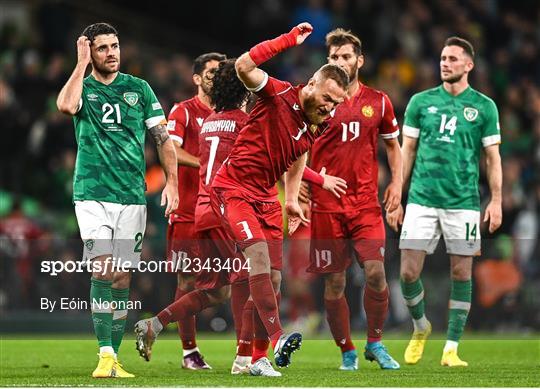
(112, 112)
(445, 129)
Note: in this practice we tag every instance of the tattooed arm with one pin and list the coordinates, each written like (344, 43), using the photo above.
(167, 157)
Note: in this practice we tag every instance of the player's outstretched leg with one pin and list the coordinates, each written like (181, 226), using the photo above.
(146, 332)
(285, 346)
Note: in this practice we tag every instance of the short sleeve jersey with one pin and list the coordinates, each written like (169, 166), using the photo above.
(276, 135)
(216, 140)
(185, 122)
(451, 131)
(110, 129)
(348, 149)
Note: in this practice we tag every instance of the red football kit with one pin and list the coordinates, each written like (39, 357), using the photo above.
(185, 122)
(216, 140)
(348, 149)
(244, 190)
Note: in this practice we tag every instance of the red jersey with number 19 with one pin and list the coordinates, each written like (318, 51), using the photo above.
(216, 140)
(348, 149)
(275, 136)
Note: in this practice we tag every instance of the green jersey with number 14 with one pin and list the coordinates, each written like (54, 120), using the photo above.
(451, 131)
(110, 129)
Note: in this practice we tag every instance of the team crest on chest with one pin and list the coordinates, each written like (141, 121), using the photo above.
(131, 98)
(470, 113)
(367, 111)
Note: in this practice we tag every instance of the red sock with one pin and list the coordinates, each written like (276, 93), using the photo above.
(186, 326)
(185, 307)
(376, 307)
(245, 342)
(337, 315)
(239, 297)
(262, 293)
(260, 338)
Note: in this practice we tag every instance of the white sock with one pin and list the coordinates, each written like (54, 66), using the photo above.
(106, 349)
(420, 324)
(156, 325)
(115, 356)
(450, 345)
(242, 360)
(191, 350)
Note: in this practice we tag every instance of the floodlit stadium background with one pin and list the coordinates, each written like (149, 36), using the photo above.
(402, 43)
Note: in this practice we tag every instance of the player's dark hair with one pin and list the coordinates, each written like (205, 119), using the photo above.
(336, 73)
(201, 60)
(96, 29)
(227, 92)
(463, 43)
(340, 37)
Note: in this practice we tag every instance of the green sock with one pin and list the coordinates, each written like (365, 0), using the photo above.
(120, 297)
(413, 293)
(460, 304)
(100, 291)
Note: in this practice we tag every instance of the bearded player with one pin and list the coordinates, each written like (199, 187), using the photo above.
(281, 128)
(185, 122)
(352, 226)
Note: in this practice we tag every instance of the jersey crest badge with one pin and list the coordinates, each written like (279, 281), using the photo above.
(200, 121)
(470, 113)
(367, 111)
(131, 98)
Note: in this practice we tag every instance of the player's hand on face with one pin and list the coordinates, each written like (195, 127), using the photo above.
(392, 196)
(305, 29)
(493, 214)
(295, 215)
(395, 218)
(169, 198)
(304, 195)
(333, 184)
(83, 50)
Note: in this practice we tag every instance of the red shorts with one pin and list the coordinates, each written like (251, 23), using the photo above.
(220, 263)
(182, 242)
(250, 221)
(334, 236)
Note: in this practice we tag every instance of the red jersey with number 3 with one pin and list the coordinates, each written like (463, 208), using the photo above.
(185, 122)
(216, 140)
(348, 149)
(275, 136)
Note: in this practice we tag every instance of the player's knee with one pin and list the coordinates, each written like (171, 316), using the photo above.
(121, 280)
(460, 274)
(335, 286)
(376, 280)
(408, 274)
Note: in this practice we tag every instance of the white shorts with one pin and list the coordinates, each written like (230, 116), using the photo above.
(111, 229)
(422, 228)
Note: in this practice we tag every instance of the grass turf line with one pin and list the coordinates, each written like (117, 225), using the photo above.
(54, 362)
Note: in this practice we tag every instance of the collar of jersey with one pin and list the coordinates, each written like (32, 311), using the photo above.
(445, 92)
(117, 79)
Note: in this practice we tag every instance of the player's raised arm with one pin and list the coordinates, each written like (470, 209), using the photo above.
(167, 157)
(70, 96)
(247, 64)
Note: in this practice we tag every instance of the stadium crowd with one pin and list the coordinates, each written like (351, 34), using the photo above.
(401, 42)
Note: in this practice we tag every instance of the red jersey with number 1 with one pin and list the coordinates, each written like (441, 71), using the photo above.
(216, 140)
(185, 122)
(348, 149)
(275, 136)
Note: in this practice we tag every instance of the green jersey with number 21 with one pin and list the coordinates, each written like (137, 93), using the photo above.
(110, 129)
(451, 131)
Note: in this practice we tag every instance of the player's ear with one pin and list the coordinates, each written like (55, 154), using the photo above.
(470, 65)
(197, 79)
(360, 61)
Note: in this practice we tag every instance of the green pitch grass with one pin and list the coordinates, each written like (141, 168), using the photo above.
(69, 362)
